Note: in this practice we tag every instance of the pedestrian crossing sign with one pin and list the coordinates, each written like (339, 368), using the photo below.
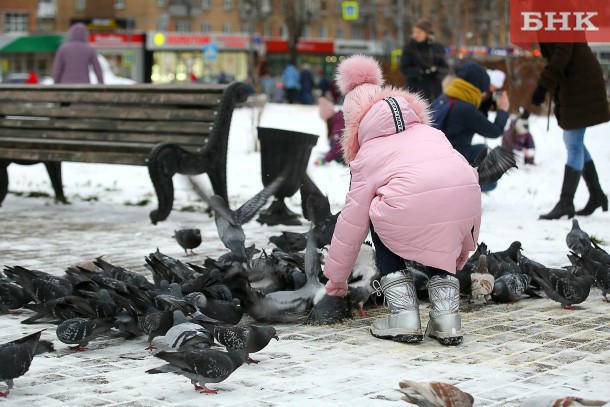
(350, 10)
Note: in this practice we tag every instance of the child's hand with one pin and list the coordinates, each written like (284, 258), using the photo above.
(336, 289)
(461, 260)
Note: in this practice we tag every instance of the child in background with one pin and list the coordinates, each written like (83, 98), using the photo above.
(335, 124)
(518, 137)
(417, 195)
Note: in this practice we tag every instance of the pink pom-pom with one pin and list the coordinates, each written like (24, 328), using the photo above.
(357, 70)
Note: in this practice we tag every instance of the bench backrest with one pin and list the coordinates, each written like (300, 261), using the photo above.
(106, 124)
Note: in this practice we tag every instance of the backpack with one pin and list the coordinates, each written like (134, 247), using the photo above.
(439, 110)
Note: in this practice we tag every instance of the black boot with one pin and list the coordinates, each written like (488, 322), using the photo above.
(597, 198)
(565, 206)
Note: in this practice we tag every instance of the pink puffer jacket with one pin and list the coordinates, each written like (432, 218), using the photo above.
(421, 195)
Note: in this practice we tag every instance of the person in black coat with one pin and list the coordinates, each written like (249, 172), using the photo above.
(465, 119)
(423, 62)
(574, 78)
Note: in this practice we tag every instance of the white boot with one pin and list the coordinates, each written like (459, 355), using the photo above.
(403, 324)
(445, 323)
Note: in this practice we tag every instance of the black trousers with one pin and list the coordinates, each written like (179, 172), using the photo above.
(389, 262)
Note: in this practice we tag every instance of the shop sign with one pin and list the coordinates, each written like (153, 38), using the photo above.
(354, 47)
(280, 46)
(349, 10)
(232, 41)
(112, 40)
(166, 40)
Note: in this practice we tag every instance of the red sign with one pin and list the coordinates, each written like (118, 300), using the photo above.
(277, 46)
(115, 40)
(533, 21)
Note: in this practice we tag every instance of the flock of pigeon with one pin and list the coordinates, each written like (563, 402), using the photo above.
(196, 308)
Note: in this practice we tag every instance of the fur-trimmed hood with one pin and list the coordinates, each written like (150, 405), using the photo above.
(363, 122)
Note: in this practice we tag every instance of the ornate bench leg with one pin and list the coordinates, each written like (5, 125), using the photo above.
(162, 165)
(3, 179)
(54, 170)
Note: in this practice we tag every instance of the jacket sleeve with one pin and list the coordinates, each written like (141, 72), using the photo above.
(478, 123)
(58, 66)
(409, 66)
(351, 230)
(95, 63)
(557, 62)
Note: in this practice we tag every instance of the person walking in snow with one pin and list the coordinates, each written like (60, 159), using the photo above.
(290, 80)
(75, 56)
(335, 124)
(419, 198)
(574, 78)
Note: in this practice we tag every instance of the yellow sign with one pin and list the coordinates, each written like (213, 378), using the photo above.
(159, 39)
(350, 10)
(396, 54)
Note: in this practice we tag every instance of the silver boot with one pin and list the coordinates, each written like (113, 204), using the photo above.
(403, 324)
(445, 323)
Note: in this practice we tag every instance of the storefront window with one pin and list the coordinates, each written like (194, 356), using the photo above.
(179, 66)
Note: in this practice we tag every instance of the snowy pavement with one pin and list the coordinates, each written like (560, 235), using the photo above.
(510, 352)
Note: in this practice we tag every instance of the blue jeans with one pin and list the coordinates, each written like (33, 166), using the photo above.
(389, 262)
(578, 154)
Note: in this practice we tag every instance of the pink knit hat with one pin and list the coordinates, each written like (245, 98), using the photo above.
(327, 109)
(359, 78)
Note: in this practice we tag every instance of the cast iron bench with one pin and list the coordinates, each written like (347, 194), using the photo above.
(169, 128)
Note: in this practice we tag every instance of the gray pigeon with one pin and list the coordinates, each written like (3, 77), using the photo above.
(185, 334)
(80, 331)
(16, 357)
(563, 286)
(12, 297)
(202, 366)
(578, 240)
(509, 288)
(43, 287)
(229, 223)
(188, 239)
(600, 271)
(244, 338)
(493, 164)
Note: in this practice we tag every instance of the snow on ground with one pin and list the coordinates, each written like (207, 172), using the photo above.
(307, 365)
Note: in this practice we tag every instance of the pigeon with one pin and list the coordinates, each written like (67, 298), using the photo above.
(188, 239)
(229, 223)
(599, 271)
(290, 242)
(493, 164)
(126, 322)
(482, 282)
(434, 394)
(124, 275)
(563, 286)
(244, 338)
(62, 308)
(16, 357)
(12, 297)
(578, 240)
(360, 283)
(167, 268)
(553, 401)
(43, 287)
(155, 323)
(185, 334)
(80, 331)
(202, 366)
(513, 253)
(509, 288)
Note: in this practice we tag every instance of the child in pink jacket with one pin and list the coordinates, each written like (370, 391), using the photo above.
(419, 198)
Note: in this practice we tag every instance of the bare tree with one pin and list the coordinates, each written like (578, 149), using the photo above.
(298, 15)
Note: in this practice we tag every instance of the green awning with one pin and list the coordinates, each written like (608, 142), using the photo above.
(33, 43)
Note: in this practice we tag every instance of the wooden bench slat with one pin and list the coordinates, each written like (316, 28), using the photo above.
(150, 113)
(76, 156)
(97, 125)
(75, 137)
(112, 98)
